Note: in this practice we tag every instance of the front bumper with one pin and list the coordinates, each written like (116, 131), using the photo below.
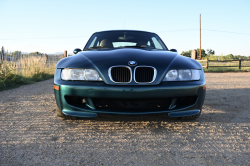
(89, 91)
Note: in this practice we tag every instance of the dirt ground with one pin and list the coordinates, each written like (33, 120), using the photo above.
(32, 134)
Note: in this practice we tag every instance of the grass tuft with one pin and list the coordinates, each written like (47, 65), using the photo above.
(227, 69)
(26, 71)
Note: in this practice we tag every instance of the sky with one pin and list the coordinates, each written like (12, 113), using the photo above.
(50, 26)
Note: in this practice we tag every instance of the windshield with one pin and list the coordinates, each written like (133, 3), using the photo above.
(119, 39)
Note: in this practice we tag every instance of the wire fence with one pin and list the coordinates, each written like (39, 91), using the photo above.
(17, 56)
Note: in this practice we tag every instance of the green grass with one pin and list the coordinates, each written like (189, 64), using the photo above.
(15, 80)
(226, 69)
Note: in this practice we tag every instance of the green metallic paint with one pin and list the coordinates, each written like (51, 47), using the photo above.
(58, 99)
(77, 113)
(183, 113)
(88, 112)
(100, 89)
(93, 115)
(102, 60)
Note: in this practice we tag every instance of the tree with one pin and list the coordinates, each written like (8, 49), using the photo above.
(186, 53)
(229, 56)
(203, 52)
(210, 52)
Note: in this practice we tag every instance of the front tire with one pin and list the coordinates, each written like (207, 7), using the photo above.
(63, 116)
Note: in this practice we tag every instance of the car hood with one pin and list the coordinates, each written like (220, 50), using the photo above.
(102, 60)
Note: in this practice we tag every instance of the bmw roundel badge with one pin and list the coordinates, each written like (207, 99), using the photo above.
(132, 63)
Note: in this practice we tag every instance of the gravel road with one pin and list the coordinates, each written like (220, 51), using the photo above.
(32, 134)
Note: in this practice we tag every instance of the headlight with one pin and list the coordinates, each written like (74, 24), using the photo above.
(182, 75)
(80, 74)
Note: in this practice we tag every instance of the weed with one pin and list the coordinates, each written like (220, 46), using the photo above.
(226, 69)
(25, 71)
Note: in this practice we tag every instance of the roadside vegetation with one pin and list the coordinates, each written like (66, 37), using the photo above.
(227, 64)
(210, 54)
(226, 69)
(30, 69)
(26, 71)
(215, 60)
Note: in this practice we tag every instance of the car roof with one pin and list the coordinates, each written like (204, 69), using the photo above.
(123, 30)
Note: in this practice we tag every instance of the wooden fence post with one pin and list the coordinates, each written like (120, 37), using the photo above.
(194, 54)
(1, 61)
(65, 54)
(207, 63)
(2, 54)
(46, 56)
(239, 63)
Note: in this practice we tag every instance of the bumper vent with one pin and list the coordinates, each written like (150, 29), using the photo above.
(120, 74)
(144, 74)
(132, 104)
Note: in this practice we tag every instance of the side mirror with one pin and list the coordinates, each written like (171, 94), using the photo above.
(173, 50)
(76, 50)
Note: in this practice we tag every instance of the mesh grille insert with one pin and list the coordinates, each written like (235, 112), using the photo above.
(144, 74)
(134, 104)
(121, 74)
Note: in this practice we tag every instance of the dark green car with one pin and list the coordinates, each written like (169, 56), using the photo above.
(127, 72)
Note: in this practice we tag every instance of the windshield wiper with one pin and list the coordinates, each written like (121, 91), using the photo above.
(90, 48)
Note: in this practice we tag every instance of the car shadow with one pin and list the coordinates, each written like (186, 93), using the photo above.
(221, 105)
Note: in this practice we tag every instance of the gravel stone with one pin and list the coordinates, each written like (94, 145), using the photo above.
(32, 134)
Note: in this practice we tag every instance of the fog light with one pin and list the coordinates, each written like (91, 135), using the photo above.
(83, 101)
